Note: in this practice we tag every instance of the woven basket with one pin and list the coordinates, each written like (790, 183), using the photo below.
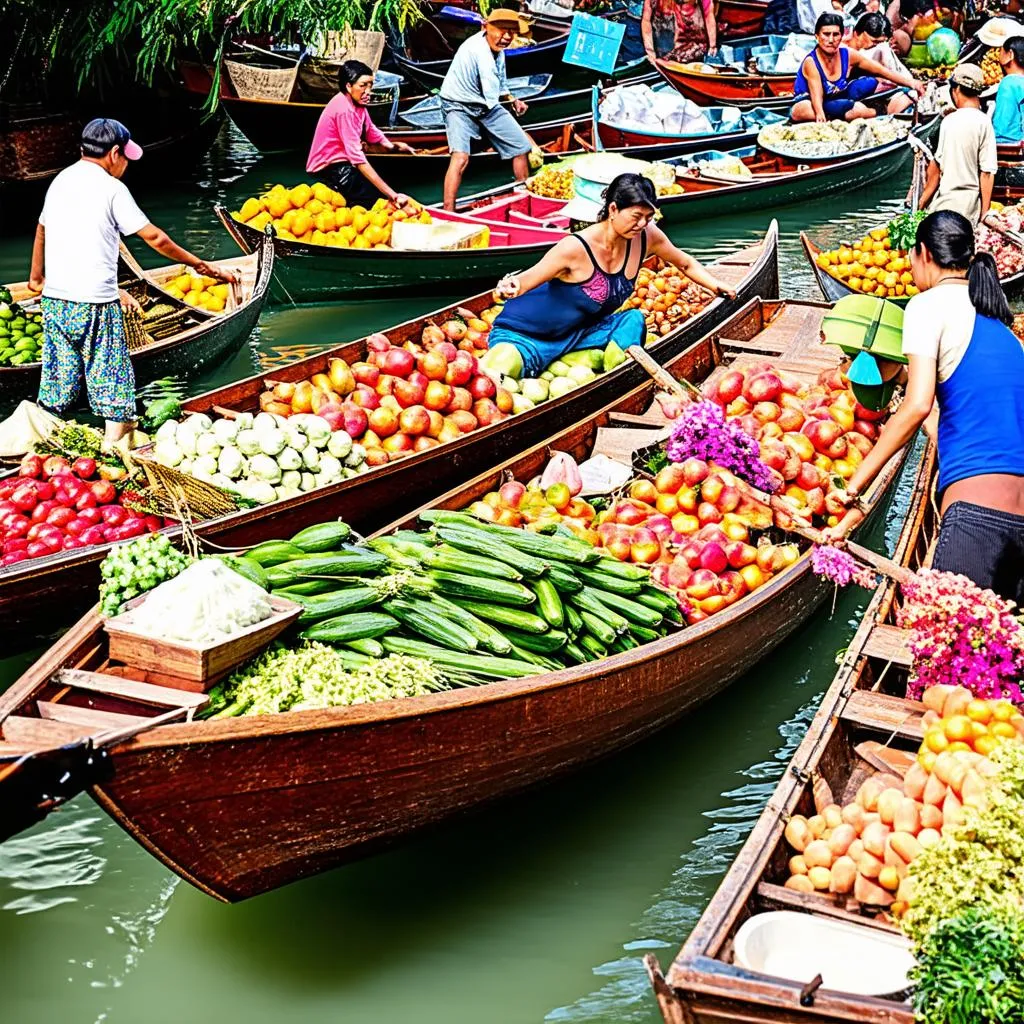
(319, 75)
(172, 491)
(252, 82)
(134, 332)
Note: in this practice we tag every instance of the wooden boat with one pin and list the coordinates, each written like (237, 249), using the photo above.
(202, 337)
(337, 784)
(738, 18)
(704, 984)
(833, 289)
(28, 589)
(775, 181)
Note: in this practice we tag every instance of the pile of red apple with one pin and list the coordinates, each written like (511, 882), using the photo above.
(534, 508)
(402, 398)
(54, 505)
(808, 435)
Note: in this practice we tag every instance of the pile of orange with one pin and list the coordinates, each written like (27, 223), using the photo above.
(871, 266)
(666, 298)
(981, 725)
(317, 215)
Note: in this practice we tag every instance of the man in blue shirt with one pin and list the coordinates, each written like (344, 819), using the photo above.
(471, 96)
(1008, 117)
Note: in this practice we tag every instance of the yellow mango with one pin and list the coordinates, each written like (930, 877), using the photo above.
(215, 305)
(373, 234)
(325, 221)
(342, 216)
(381, 204)
(382, 245)
(337, 199)
(360, 243)
(278, 204)
(301, 224)
(321, 192)
(285, 235)
(181, 282)
(358, 209)
(260, 221)
(318, 238)
(190, 298)
(341, 240)
(176, 292)
(250, 208)
(300, 195)
(360, 222)
(313, 207)
(378, 219)
(348, 233)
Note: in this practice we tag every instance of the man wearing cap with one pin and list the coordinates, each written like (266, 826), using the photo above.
(961, 175)
(74, 264)
(471, 96)
(1008, 115)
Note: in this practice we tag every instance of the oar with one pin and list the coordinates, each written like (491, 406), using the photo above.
(884, 565)
(1009, 233)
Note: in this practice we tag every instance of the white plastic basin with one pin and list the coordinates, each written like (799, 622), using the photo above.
(863, 961)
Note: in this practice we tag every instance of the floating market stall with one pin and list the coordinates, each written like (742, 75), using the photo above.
(411, 465)
(532, 627)
(181, 329)
(881, 881)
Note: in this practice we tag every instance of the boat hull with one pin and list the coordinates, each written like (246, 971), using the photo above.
(738, 18)
(38, 596)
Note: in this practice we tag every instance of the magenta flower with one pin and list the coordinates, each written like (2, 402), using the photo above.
(703, 432)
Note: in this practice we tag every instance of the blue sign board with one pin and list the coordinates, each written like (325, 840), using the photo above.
(594, 42)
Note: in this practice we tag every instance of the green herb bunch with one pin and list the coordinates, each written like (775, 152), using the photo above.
(970, 970)
(903, 229)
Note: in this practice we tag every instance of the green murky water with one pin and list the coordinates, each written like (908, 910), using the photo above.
(537, 909)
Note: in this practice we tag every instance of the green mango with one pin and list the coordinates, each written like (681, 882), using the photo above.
(547, 375)
(6, 313)
(25, 345)
(23, 357)
(591, 358)
(558, 368)
(18, 321)
(32, 329)
(612, 356)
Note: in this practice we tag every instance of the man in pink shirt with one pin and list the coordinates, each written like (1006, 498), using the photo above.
(336, 156)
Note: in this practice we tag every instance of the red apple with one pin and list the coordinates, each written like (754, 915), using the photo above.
(826, 436)
(669, 479)
(867, 428)
(679, 573)
(713, 557)
(842, 415)
(630, 513)
(481, 386)
(436, 423)
(832, 379)
(414, 420)
(463, 419)
(738, 407)
(383, 422)
(437, 395)
(809, 476)
(354, 421)
(458, 373)
(711, 488)
(707, 513)
(730, 386)
(703, 584)
(376, 456)
(645, 548)
(790, 419)
(695, 471)
(686, 499)
(398, 362)
(766, 412)
(868, 415)
(378, 343)
(409, 394)
(644, 490)
(397, 444)
(512, 492)
(503, 400)
(486, 412)
(461, 399)
(740, 554)
(385, 384)
(753, 576)
(366, 373)
(763, 387)
(858, 441)
(365, 397)
(684, 523)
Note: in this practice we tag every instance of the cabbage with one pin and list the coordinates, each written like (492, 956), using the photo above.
(257, 490)
(167, 452)
(294, 437)
(340, 444)
(330, 467)
(308, 482)
(271, 442)
(230, 462)
(264, 421)
(318, 431)
(310, 457)
(207, 444)
(289, 459)
(248, 442)
(204, 466)
(185, 466)
(291, 479)
(263, 467)
(244, 420)
(356, 457)
(226, 430)
(224, 481)
(186, 441)
(363, 467)
(200, 421)
(168, 430)
(284, 493)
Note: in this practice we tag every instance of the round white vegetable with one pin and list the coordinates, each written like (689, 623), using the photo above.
(207, 444)
(264, 421)
(308, 482)
(204, 466)
(339, 444)
(167, 430)
(248, 442)
(226, 430)
(186, 441)
(230, 462)
(244, 420)
(356, 457)
(271, 442)
(263, 467)
(289, 459)
(318, 431)
(330, 467)
(291, 480)
(311, 457)
(200, 420)
(167, 452)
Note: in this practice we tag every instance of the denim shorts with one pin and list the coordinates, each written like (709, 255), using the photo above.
(496, 126)
(985, 545)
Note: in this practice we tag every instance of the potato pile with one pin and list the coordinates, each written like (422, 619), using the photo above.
(871, 266)
(865, 848)
(317, 215)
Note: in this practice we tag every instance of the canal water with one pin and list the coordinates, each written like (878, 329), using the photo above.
(538, 909)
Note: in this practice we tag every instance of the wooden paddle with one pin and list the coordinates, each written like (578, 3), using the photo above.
(880, 563)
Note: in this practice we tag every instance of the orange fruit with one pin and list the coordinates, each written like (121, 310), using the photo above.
(979, 710)
(926, 758)
(979, 729)
(984, 745)
(935, 739)
(958, 727)
(1003, 711)
(1003, 730)
(958, 745)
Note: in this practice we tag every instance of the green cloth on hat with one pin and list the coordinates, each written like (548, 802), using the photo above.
(864, 323)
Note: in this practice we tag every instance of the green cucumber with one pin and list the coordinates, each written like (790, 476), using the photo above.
(247, 567)
(326, 606)
(343, 629)
(435, 627)
(322, 537)
(367, 647)
(540, 643)
(606, 581)
(549, 604)
(502, 614)
(274, 552)
(355, 561)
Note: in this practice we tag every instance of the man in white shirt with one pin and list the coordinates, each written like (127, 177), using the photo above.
(74, 265)
(960, 177)
(471, 96)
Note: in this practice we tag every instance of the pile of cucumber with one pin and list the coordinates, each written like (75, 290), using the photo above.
(480, 601)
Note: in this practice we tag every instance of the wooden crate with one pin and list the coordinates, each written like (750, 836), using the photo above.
(199, 664)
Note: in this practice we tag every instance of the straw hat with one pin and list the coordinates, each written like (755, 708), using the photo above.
(998, 30)
(504, 16)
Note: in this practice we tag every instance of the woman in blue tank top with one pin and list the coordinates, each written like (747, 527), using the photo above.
(569, 299)
(824, 90)
(961, 353)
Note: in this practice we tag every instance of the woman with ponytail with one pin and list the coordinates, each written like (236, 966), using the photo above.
(961, 353)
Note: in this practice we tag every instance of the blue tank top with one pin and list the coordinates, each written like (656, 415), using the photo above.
(981, 407)
(557, 308)
(800, 85)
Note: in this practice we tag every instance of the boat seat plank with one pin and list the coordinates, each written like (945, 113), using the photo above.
(40, 733)
(881, 712)
(889, 643)
(885, 759)
(14, 750)
(89, 717)
(619, 444)
(116, 686)
(777, 897)
(755, 345)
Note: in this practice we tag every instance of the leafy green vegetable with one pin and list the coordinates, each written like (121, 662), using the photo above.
(657, 461)
(318, 676)
(903, 229)
(970, 970)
